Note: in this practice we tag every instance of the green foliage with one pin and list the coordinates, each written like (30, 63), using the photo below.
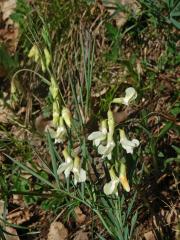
(174, 12)
(39, 28)
(8, 62)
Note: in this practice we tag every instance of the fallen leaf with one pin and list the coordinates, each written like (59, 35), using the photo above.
(81, 236)
(79, 215)
(12, 231)
(7, 7)
(57, 231)
(121, 17)
(149, 236)
(6, 114)
(9, 35)
(1, 208)
(20, 215)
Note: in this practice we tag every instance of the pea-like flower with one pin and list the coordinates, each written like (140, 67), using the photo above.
(79, 173)
(127, 144)
(130, 96)
(111, 187)
(99, 136)
(123, 178)
(66, 166)
(106, 151)
(73, 166)
(61, 132)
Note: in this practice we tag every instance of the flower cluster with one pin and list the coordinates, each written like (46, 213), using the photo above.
(112, 186)
(72, 165)
(61, 118)
(104, 141)
(104, 135)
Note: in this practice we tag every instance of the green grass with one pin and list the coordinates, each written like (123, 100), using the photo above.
(83, 62)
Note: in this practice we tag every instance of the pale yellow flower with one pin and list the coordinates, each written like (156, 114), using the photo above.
(99, 136)
(130, 96)
(127, 144)
(111, 187)
(106, 151)
(74, 166)
(79, 173)
(61, 132)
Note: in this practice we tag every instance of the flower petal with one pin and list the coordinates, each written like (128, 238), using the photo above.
(101, 149)
(118, 100)
(129, 145)
(68, 169)
(131, 95)
(136, 142)
(106, 151)
(62, 168)
(82, 175)
(79, 176)
(111, 187)
(95, 135)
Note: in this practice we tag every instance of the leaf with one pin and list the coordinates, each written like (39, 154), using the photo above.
(30, 170)
(81, 236)
(176, 148)
(11, 234)
(176, 23)
(133, 222)
(80, 217)
(57, 231)
(119, 9)
(165, 129)
(53, 159)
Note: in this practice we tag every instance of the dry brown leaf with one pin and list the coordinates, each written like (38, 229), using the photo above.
(149, 236)
(79, 215)
(2, 70)
(7, 7)
(13, 232)
(6, 114)
(1, 208)
(9, 35)
(19, 216)
(57, 231)
(121, 17)
(81, 236)
(41, 123)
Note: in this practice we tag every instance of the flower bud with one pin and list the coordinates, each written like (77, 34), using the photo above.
(76, 167)
(54, 88)
(111, 122)
(43, 66)
(56, 113)
(66, 115)
(123, 178)
(47, 57)
(34, 53)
